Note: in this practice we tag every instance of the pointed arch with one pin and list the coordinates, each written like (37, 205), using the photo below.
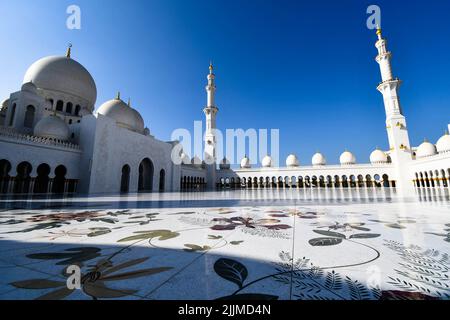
(146, 170)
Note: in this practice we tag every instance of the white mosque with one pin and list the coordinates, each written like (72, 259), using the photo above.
(52, 141)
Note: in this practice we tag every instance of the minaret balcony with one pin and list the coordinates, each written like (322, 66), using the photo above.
(381, 56)
(394, 81)
(211, 109)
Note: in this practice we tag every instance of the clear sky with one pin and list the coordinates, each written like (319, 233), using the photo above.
(304, 67)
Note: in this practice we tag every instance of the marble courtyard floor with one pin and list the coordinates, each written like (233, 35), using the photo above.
(291, 244)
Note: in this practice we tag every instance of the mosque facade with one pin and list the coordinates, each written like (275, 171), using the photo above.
(53, 141)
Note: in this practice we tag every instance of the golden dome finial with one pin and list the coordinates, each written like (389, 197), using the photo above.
(379, 31)
(69, 50)
(211, 67)
(118, 95)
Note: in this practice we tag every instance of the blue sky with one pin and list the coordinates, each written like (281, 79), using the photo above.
(304, 67)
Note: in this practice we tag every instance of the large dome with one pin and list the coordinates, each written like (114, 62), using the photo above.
(124, 115)
(52, 127)
(62, 74)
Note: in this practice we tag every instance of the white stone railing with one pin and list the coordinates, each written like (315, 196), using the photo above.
(12, 134)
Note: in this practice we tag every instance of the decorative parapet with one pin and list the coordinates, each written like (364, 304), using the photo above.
(21, 137)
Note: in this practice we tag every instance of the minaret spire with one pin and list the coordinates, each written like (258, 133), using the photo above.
(69, 50)
(389, 87)
(379, 32)
(211, 87)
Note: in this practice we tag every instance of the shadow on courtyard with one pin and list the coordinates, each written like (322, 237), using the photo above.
(38, 271)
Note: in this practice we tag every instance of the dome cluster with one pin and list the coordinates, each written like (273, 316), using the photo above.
(124, 115)
(60, 77)
(347, 158)
(427, 149)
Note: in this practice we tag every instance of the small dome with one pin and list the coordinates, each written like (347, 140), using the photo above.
(266, 162)
(245, 163)
(318, 160)
(124, 115)
(426, 149)
(292, 161)
(378, 156)
(4, 105)
(224, 164)
(185, 159)
(52, 127)
(139, 121)
(146, 131)
(196, 161)
(347, 158)
(443, 144)
(29, 87)
(62, 74)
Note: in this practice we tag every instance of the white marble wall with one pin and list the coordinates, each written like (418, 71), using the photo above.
(107, 148)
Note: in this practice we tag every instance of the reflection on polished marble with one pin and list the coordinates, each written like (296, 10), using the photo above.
(249, 244)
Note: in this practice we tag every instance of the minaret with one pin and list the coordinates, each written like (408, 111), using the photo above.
(389, 88)
(399, 145)
(210, 139)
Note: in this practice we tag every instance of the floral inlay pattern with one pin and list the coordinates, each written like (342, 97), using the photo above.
(288, 252)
